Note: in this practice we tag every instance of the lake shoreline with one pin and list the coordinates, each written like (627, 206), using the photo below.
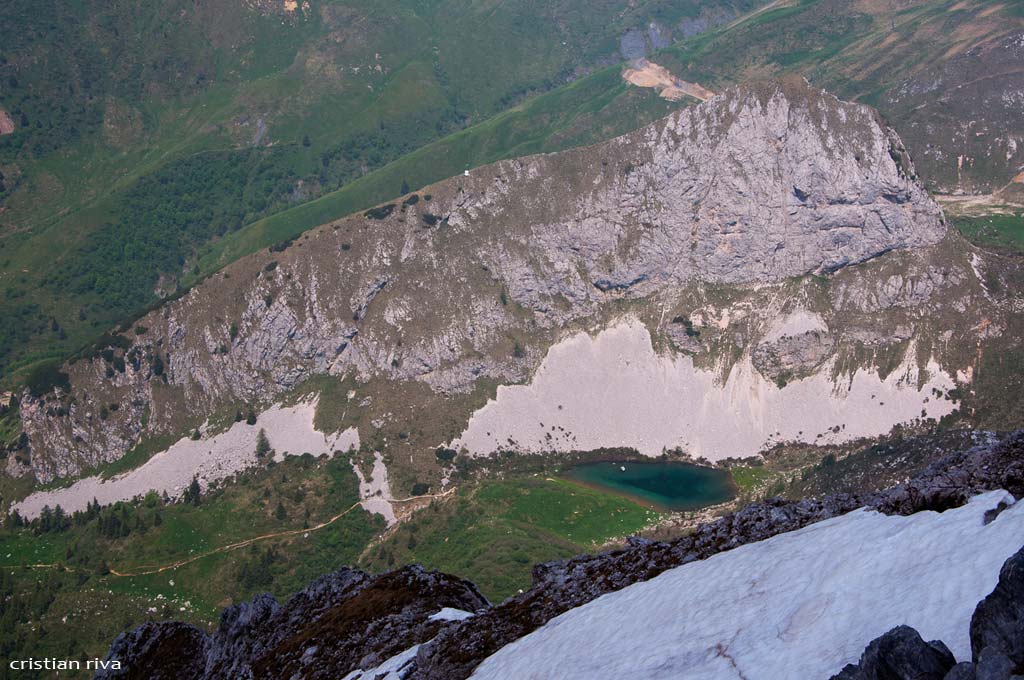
(667, 486)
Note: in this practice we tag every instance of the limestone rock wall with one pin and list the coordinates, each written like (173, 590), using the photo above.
(759, 184)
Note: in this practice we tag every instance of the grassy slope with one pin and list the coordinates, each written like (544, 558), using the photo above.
(598, 107)
(195, 591)
(830, 42)
(342, 89)
(494, 533)
(1002, 231)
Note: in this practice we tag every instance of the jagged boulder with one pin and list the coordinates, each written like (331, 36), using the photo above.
(901, 654)
(159, 651)
(997, 642)
(792, 356)
(962, 671)
(997, 626)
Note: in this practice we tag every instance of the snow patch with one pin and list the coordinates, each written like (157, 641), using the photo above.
(289, 429)
(389, 670)
(375, 492)
(976, 265)
(798, 605)
(451, 614)
(615, 390)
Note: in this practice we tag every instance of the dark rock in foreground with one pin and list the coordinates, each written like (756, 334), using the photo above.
(901, 654)
(341, 621)
(997, 642)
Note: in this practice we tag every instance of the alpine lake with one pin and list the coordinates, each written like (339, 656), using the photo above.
(663, 485)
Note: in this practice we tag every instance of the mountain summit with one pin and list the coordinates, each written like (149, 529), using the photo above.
(762, 182)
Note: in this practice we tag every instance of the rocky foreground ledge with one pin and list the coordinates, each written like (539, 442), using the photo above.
(349, 620)
(997, 642)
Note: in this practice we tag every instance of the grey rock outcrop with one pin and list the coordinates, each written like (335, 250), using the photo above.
(761, 183)
(792, 356)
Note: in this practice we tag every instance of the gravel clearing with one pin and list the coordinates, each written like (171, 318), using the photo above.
(290, 431)
(614, 390)
(643, 73)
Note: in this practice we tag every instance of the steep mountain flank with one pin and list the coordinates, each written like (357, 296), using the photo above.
(962, 116)
(738, 213)
(936, 523)
(145, 132)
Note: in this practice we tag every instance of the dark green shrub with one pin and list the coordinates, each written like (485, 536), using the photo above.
(380, 212)
(45, 377)
(281, 246)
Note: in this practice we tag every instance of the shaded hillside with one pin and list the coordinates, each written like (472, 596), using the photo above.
(882, 53)
(139, 131)
(873, 52)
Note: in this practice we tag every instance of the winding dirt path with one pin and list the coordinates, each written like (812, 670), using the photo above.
(147, 570)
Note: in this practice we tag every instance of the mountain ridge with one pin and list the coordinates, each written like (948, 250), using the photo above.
(659, 210)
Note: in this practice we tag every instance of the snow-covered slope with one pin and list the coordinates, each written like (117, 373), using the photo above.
(799, 605)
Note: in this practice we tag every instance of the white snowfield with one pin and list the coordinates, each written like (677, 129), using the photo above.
(615, 390)
(800, 605)
(289, 429)
(451, 614)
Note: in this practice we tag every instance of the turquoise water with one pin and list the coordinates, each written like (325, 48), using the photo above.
(667, 486)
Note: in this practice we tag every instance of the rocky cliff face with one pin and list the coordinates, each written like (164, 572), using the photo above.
(318, 633)
(758, 185)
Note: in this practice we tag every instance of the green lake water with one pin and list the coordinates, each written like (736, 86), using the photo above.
(665, 485)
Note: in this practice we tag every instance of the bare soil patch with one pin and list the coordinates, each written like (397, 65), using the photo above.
(6, 123)
(643, 73)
